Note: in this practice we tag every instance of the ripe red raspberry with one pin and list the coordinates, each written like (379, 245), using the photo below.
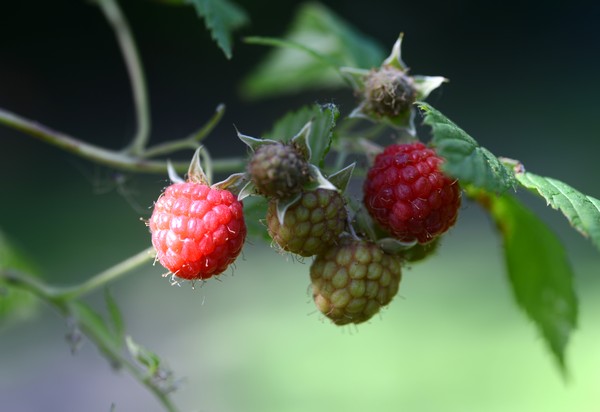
(197, 230)
(311, 224)
(407, 194)
(353, 280)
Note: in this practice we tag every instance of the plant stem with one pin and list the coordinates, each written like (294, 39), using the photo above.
(66, 306)
(71, 144)
(115, 356)
(116, 160)
(190, 142)
(135, 69)
(170, 147)
(66, 294)
(29, 283)
(105, 276)
(163, 398)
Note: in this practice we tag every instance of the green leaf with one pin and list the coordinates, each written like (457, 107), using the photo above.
(255, 212)
(145, 357)
(582, 211)
(94, 325)
(15, 303)
(286, 127)
(115, 317)
(465, 159)
(321, 135)
(323, 118)
(222, 17)
(538, 270)
(310, 54)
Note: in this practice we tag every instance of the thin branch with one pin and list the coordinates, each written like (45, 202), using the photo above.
(170, 147)
(29, 283)
(190, 142)
(116, 160)
(115, 357)
(102, 278)
(67, 309)
(135, 69)
(208, 127)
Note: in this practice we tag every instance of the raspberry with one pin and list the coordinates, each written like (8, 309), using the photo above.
(389, 92)
(311, 224)
(197, 230)
(407, 194)
(353, 280)
(278, 170)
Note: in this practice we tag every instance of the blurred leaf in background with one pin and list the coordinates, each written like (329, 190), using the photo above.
(15, 304)
(317, 43)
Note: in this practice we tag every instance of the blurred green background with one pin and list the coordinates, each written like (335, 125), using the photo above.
(524, 83)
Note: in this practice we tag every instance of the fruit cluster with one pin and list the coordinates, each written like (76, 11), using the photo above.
(198, 230)
(408, 203)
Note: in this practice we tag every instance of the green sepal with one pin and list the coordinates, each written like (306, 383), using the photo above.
(424, 85)
(301, 141)
(394, 246)
(341, 178)
(318, 180)
(283, 205)
(173, 175)
(253, 142)
(404, 121)
(235, 183)
(195, 172)
(395, 57)
(249, 189)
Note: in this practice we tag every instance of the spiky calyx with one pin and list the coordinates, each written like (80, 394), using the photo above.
(389, 91)
(278, 170)
(351, 281)
(311, 224)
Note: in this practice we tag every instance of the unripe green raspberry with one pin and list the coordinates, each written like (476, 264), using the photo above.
(311, 224)
(353, 280)
(278, 170)
(389, 92)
